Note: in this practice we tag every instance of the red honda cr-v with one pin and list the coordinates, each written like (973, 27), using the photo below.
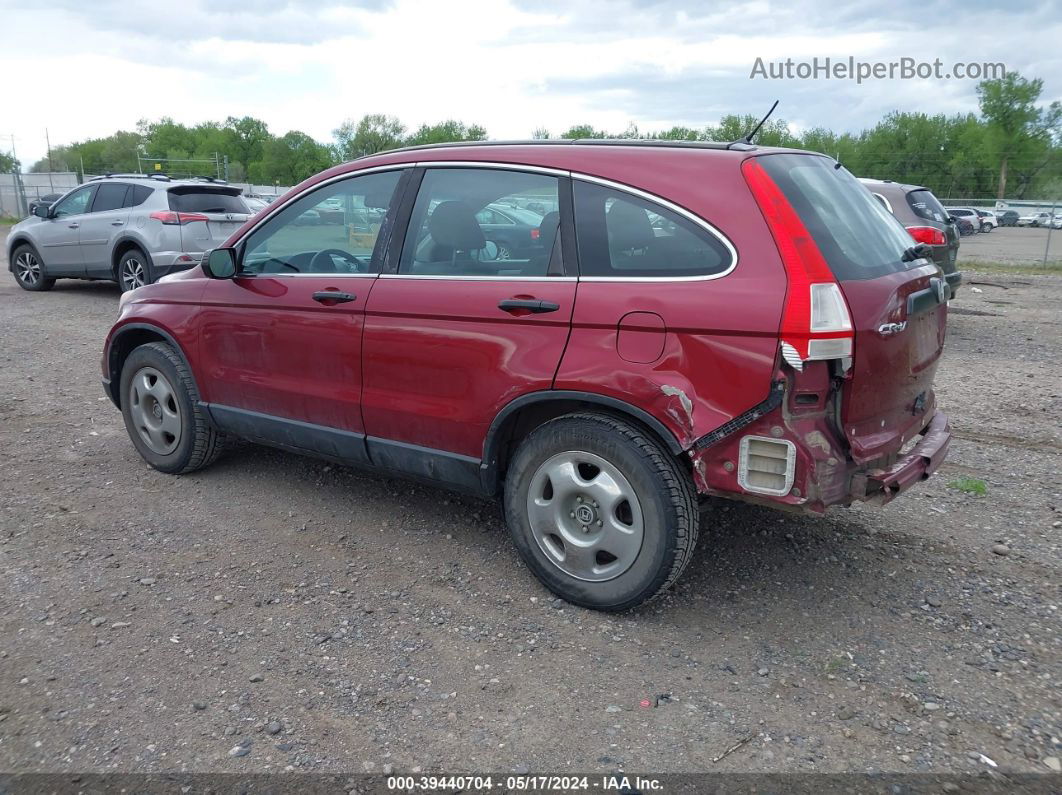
(597, 333)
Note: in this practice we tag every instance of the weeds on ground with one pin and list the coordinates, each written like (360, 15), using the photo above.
(969, 486)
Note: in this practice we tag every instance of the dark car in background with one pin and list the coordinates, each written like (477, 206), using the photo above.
(1008, 218)
(515, 230)
(926, 221)
(964, 225)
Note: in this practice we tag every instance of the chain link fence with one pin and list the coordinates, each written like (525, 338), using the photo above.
(18, 190)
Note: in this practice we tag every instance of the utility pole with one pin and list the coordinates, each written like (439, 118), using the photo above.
(48, 143)
(226, 168)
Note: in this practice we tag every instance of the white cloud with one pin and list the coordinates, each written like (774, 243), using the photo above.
(84, 70)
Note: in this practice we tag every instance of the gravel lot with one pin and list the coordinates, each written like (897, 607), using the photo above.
(1013, 245)
(274, 612)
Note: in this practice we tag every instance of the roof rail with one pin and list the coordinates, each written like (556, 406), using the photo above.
(108, 175)
(204, 178)
(652, 142)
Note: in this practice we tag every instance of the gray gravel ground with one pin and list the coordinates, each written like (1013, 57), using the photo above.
(274, 612)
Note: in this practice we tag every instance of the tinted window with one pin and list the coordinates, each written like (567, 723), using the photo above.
(858, 237)
(925, 206)
(334, 229)
(109, 196)
(462, 224)
(74, 204)
(623, 235)
(137, 195)
(200, 200)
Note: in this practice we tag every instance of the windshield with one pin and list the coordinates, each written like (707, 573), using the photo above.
(925, 205)
(857, 236)
(199, 200)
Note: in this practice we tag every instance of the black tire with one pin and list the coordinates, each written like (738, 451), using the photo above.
(133, 262)
(665, 493)
(34, 276)
(198, 444)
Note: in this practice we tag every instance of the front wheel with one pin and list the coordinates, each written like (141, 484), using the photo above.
(29, 270)
(600, 511)
(160, 406)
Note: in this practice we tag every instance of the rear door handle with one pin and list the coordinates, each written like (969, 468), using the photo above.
(531, 304)
(117, 223)
(334, 297)
(74, 225)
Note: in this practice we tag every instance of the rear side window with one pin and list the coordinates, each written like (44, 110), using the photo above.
(137, 195)
(925, 205)
(623, 236)
(109, 196)
(200, 200)
(857, 236)
(475, 222)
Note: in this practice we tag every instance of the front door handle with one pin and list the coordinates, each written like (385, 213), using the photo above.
(117, 223)
(530, 304)
(331, 296)
(74, 225)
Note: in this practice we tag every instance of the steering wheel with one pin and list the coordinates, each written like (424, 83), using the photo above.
(357, 264)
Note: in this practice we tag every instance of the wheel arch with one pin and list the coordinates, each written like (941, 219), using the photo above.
(15, 242)
(525, 413)
(127, 339)
(122, 246)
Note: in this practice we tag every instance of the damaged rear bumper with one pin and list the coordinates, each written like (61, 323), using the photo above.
(823, 473)
(925, 458)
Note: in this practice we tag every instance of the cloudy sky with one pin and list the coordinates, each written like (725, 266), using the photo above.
(84, 69)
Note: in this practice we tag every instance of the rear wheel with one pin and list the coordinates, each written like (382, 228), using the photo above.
(160, 406)
(29, 270)
(133, 270)
(601, 513)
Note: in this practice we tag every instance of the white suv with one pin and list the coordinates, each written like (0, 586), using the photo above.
(128, 228)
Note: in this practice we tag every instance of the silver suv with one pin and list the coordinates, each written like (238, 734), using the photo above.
(129, 228)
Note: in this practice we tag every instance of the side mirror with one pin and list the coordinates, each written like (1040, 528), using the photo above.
(42, 210)
(220, 263)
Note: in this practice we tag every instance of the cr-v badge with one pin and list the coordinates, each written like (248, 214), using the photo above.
(888, 329)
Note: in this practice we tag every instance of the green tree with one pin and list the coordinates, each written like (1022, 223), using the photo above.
(289, 159)
(373, 133)
(1019, 131)
(446, 132)
(7, 162)
(583, 131)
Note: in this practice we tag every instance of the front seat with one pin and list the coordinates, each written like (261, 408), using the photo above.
(454, 233)
(629, 231)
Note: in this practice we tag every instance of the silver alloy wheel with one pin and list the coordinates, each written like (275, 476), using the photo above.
(133, 273)
(27, 268)
(155, 410)
(504, 253)
(585, 516)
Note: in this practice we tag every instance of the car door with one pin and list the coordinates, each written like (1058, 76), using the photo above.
(105, 221)
(59, 235)
(281, 342)
(453, 334)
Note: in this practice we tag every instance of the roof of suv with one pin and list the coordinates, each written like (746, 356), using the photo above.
(156, 180)
(888, 183)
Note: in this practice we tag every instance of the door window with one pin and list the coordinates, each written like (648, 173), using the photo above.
(109, 196)
(622, 235)
(74, 204)
(475, 222)
(335, 229)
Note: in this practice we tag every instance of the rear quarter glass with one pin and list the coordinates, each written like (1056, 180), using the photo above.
(857, 236)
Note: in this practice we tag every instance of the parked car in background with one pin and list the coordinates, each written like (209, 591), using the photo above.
(513, 229)
(988, 220)
(964, 225)
(128, 228)
(580, 382)
(1007, 218)
(926, 221)
(969, 214)
(47, 199)
(1036, 219)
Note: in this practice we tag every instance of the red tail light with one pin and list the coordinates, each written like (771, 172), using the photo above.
(171, 218)
(816, 323)
(927, 234)
(535, 233)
